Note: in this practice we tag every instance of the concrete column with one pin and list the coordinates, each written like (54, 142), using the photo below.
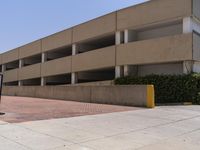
(20, 83)
(43, 81)
(187, 67)
(74, 49)
(44, 57)
(119, 38)
(196, 67)
(187, 25)
(74, 76)
(3, 68)
(126, 70)
(21, 63)
(191, 24)
(129, 36)
(118, 71)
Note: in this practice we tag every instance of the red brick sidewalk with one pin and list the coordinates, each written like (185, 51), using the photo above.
(22, 109)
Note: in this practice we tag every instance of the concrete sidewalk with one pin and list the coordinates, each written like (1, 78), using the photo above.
(162, 128)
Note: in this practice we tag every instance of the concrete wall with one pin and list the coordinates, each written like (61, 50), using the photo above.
(152, 12)
(136, 95)
(160, 32)
(30, 49)
(96, 59)
(167, 49)
(57, 66)
(171, 68)
(57, 40)
(196, 8)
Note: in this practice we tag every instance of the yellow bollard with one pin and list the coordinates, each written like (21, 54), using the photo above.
(150, 96)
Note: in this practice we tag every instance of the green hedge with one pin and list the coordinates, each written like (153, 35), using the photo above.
(169, 88)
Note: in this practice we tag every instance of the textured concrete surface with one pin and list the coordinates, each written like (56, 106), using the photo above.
(128, 95)
(162, 128)
(21, 109)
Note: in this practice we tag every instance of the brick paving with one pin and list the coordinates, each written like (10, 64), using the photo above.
(23, 109)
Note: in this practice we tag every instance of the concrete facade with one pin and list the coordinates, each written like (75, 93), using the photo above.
(161, 37)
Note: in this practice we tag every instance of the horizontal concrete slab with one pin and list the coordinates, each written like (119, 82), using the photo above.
(30, 72)
(167, 49)
(10, 56)
(97, 27)
(97, 59)
(30, 49)
(56, 67)
(11, 75)
(153, 12)
(57, 40)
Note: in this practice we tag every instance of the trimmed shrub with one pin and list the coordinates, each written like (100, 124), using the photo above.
(169, 88)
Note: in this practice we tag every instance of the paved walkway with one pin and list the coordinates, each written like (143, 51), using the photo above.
(162, 128)
(22, 109)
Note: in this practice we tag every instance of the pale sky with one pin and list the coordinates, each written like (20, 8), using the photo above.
(23, 21)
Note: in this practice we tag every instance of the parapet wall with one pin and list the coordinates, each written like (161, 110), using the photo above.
(133, 95)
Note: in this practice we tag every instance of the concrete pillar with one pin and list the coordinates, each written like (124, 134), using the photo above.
(126, 70)
(44, 57)
(187, 67)
(196, 67)
(129, 36)
(20, 83)
(191, 24)
(118, 71)
(43, 81)
(74, 76)
(119, 38)
(3, 68)
(74, 49)
(21, 63)
(187, 25)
